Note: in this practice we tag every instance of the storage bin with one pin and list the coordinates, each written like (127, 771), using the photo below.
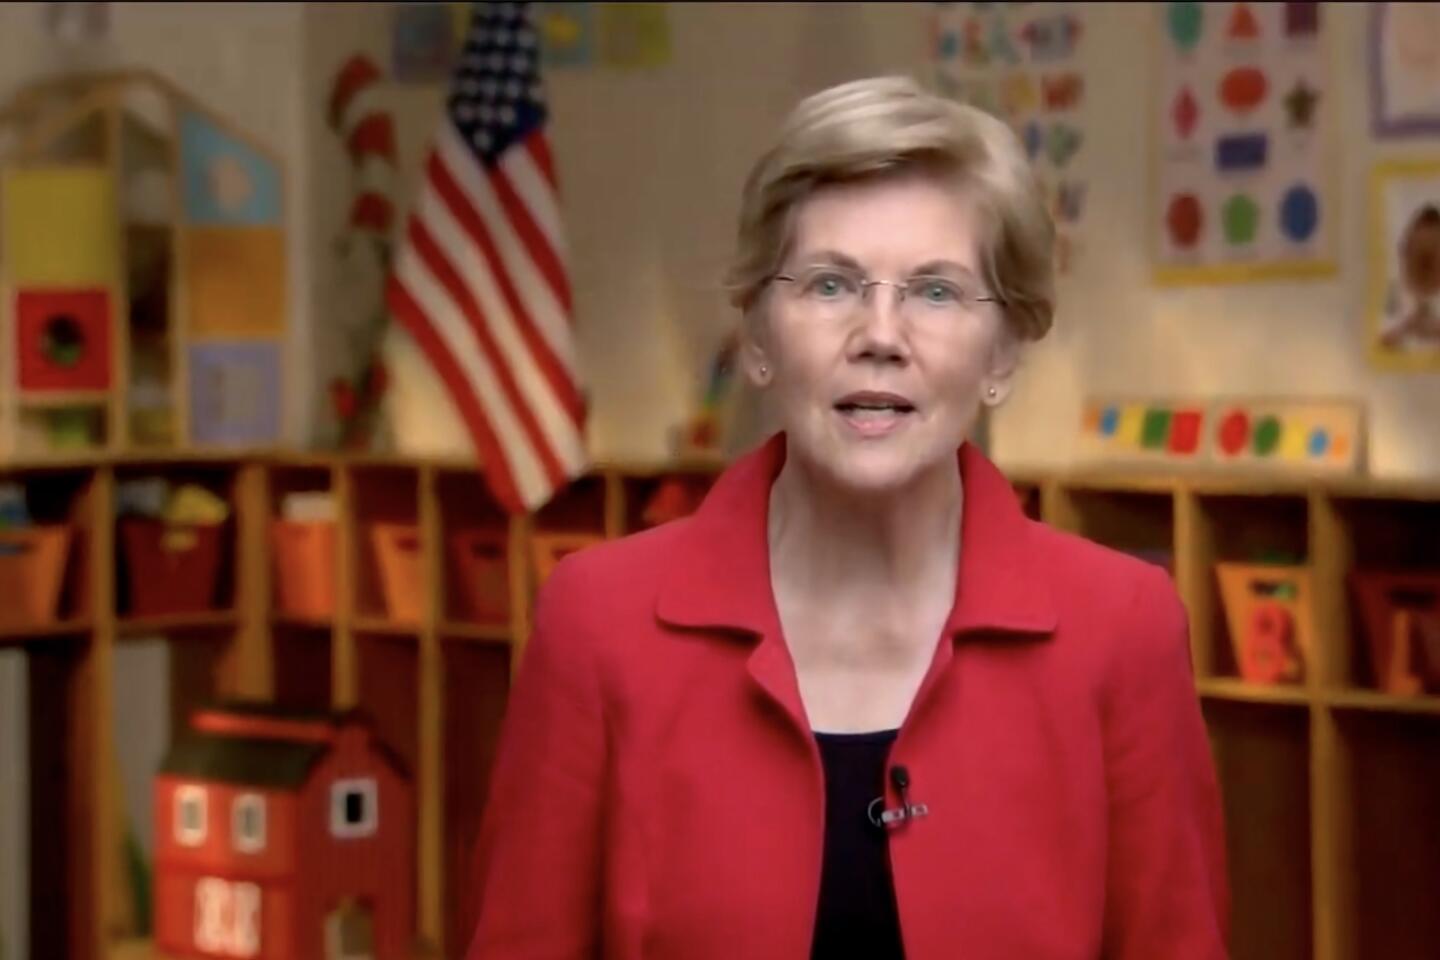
(482, 576)
(304, 567)
(402, 581)
(1268, 609)
(32, 573)
(1399, 614)
(171, 567)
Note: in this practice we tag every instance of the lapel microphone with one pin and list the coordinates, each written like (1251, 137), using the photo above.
(895, 816)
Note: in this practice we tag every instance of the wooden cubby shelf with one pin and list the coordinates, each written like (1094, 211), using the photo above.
(1329, 782)
(177, 622)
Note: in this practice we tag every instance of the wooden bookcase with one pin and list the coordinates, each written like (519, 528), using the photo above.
(1329, 785)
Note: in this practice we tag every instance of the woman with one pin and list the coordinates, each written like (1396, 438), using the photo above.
(859, 705)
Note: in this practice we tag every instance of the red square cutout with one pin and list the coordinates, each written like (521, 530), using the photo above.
(1185, 432)
(64, 339)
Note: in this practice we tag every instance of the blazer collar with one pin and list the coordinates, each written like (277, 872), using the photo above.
(721, 576)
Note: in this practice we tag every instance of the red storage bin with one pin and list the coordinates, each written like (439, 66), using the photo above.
(482, 580)
(402, 580)
(304, 567)
(32, 572)
(172, 567)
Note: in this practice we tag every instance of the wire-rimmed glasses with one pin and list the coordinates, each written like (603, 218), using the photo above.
(833, 292)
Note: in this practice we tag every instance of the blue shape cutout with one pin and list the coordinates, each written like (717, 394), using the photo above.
(1319, 442)
(1299, 213)
(1244, 151)
(1034, 138)
(949, 46)
(226, 182)
(1109, 421)
(1002, 48)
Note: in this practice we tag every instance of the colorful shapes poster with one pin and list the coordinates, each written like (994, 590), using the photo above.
(227, 181)
(1404, 69)
(1244, 142)
(1403, 332)
(1021, 62)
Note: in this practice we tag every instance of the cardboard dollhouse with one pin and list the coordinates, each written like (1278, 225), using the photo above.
(284, 836)
(143, 287)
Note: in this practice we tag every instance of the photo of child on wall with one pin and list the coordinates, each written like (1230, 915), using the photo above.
(1405, 329)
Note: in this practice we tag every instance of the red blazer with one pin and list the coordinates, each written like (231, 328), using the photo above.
(658, 793)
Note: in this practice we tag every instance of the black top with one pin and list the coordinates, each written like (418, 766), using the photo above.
(857, 915)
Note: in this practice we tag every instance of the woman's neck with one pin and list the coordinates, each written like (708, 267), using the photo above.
(896, 547)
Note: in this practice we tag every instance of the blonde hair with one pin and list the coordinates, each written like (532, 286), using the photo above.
(884, 126)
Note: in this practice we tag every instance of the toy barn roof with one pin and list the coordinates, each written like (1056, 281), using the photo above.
(243, 761)
(263, 745)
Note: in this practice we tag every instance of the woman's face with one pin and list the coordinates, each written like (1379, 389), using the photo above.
(870, 391)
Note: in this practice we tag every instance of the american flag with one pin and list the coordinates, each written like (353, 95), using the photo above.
(480, 280)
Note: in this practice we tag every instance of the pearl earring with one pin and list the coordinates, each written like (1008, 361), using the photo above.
(991, 393)
(764, 370)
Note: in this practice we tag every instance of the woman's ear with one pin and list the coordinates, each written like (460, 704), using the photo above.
(1000, 375)
(754, 356)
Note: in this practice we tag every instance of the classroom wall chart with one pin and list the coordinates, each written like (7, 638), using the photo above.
(1021, 62)
(1243, 119)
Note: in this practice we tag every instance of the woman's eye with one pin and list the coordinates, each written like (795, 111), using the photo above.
(830, 285)
(936, 291)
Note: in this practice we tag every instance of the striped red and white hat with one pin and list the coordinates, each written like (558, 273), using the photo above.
(369, 135)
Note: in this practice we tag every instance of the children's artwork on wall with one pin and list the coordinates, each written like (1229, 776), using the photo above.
(422, 41)
(1404, 69)
(1403, 332)
(1244, 140)
(634, 35)
(1022, 63)
(567, 34)
(77, 22)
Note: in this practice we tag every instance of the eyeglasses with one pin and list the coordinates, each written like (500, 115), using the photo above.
(832, 292)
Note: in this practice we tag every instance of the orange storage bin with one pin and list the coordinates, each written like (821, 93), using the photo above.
(32, 572)
(305, 570)
(402, 581)
(171, 567)
(482, 576)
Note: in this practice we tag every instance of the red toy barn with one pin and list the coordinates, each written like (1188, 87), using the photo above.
(283, 836)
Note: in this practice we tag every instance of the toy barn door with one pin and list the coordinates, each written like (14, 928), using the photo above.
(227, 918)
(349, 933)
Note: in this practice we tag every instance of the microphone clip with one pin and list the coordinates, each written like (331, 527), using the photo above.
(895, 816)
